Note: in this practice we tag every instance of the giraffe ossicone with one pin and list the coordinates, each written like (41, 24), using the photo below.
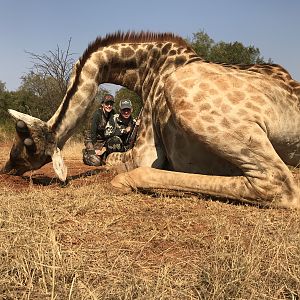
(222, 130)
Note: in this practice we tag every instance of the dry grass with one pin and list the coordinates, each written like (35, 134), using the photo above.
(86, 241)
(5, 135)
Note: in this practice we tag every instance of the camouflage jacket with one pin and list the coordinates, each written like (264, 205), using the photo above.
(116, 126)
(97, 127)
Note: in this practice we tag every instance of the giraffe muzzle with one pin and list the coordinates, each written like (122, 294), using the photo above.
(9, 169)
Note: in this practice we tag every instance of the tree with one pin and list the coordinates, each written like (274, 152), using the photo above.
(43, 87)
(2, 86)
(22, 101)
(202, 44)
(235, 53)
(221, 52)
(55, 64)
(48, 78)
(44, 90)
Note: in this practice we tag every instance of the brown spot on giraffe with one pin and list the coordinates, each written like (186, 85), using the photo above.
(189, 115)
(166, 48)
(204, 106)
(87, 87)
(180, 92)
(200, 97)
(235, 97)
(90, 71)
(226, 123)
(225, 108)
(189, 83)
(251, 106)
(242, 112)
(259, 100)
(217, 101)
(184, 106)
(208, 119)
(109, 54)
(238, 83)
(213, 92)
(204, 86)
(221, 84)
(132, 78)
(212, 129)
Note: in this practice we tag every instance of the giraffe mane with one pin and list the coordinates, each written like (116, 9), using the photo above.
(110, 39)
(133, 37)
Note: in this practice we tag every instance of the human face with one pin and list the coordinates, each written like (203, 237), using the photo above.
(126, 113)
(108, 106)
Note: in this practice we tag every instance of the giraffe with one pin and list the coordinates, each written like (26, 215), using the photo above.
(215, 129)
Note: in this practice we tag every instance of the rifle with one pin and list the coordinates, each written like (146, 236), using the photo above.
(132, 136)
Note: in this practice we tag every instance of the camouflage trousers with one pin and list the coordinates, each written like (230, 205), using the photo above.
(114, 144)
(90, 157)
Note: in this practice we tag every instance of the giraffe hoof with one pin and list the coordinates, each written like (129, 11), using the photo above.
(290, 203)
(120, 184)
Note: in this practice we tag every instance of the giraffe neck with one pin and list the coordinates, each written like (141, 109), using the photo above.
(136, 62)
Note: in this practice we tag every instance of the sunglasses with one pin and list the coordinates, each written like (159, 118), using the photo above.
(109, 103)
(126, 110)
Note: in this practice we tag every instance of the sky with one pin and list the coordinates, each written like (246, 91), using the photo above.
(38, 26)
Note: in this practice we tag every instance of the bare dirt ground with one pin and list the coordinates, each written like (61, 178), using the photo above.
(84, 240)
(45, 177)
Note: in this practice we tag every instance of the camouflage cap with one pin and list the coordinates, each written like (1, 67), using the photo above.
(107, 97)
(126, 103)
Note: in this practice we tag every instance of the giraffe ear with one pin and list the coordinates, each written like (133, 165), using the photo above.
(59, 166)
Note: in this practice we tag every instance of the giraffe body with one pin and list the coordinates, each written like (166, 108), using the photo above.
(216, 129)
(241, 107)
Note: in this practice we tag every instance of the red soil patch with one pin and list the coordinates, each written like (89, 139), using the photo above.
(78, 174)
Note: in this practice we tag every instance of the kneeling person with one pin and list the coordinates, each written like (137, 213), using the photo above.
(94, 152)
(119, 128)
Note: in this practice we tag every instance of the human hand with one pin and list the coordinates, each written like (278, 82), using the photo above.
(98, 152)
(127, 129)
(138, 122)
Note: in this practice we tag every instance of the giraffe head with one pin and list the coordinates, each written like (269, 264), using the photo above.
(34, 146)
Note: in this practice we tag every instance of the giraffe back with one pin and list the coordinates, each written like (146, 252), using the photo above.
(274, 71)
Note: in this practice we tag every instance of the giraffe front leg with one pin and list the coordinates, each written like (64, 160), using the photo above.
(235, 187)
(120, 161)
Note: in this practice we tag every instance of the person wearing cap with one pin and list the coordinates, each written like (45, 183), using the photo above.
(119, 128)
(94, 137)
